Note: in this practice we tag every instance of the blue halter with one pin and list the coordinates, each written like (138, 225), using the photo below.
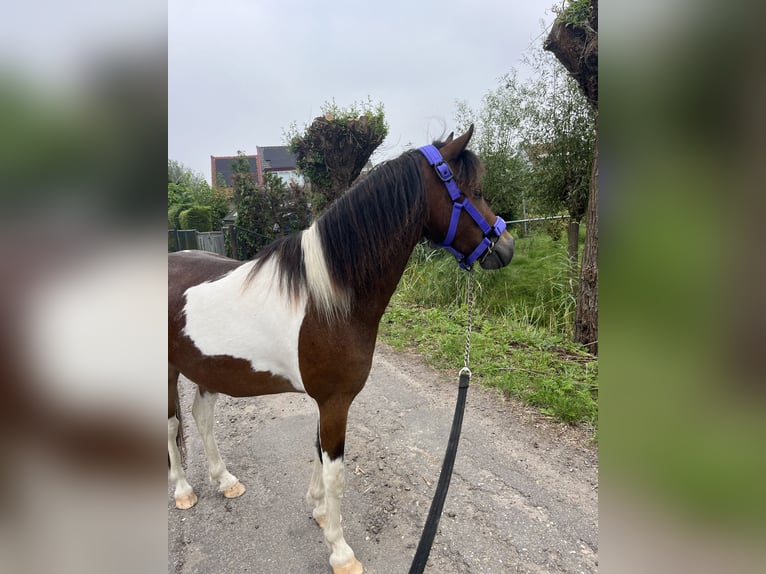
(486, 245)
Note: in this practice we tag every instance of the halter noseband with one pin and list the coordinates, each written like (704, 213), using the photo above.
(486, 245)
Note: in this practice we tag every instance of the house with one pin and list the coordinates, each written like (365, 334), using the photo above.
(223, 165)
(269, 159)
(278, 160)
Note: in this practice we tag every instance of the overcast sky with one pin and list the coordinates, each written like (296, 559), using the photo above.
(242, 71)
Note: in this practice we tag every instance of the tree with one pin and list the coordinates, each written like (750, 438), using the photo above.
(187, 189)
(332, 151)
(252, 210)
(558, 136)
(535, 139)
(266, 212)
(288, 209)
(573, 39)
(497, 143)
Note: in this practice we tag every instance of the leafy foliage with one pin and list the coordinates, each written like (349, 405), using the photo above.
(288, 208)
(265, 212)
(575, 13)
(536, 140)
(332, 151)
(187, 189)
(559, 137)
(173, 210)
(498, 144)
(199, 217)
(252, 209)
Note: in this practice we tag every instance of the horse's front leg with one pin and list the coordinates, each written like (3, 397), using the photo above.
(315, 494)
(332, 436)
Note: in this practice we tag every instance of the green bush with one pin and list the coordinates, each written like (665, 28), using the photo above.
(576, 13)
(173, 212)
(199, 217)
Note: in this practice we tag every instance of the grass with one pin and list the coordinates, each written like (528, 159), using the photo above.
(521, 342)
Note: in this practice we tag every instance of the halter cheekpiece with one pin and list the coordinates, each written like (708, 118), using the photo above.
(491, 232)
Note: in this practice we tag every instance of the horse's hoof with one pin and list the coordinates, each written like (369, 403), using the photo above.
(186, 501)
(351, 567)
(233, 492)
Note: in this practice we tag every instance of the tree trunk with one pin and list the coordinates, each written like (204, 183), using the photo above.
(586, 315)
(575, 45)
(233, 242)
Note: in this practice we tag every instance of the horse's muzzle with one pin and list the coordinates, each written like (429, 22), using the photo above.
(501, 253)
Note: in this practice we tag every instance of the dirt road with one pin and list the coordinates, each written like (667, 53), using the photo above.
(523, 496)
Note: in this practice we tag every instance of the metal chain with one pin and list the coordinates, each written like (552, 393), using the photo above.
(437, 504)
(469, 322)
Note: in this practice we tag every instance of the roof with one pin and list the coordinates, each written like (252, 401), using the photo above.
(277, 158)
(223, 166)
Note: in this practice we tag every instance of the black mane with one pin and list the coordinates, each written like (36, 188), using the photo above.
(364, 231)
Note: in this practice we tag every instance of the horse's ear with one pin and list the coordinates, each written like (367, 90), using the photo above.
(449, 137)
(454, 147)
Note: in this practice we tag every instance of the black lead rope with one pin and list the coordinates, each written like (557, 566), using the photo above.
(437, 505)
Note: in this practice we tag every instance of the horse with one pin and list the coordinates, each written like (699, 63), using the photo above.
(303, 315)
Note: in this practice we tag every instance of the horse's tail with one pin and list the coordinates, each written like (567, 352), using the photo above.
(180, 438)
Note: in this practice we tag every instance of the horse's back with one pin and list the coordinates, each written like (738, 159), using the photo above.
(191, 267)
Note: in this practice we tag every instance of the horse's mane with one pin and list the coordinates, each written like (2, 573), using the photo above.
(363, 231)
(365, 228)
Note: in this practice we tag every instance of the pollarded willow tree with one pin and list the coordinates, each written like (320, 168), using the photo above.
(573, 39)
(334, 149)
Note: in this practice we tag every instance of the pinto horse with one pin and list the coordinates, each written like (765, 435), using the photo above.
(303, 315)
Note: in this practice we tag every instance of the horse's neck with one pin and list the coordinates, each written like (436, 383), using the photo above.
(367, 236)
(396, 253)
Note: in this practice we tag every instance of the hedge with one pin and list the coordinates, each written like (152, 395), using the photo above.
(199, 217)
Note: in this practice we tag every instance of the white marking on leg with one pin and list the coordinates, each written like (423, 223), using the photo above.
(203, 412)
(183, 490)
(258, 322)
(329, 299)
(315, 494)
(334, 485)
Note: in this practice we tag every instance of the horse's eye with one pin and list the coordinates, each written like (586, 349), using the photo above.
(478, 195)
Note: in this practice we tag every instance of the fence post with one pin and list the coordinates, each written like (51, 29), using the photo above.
(233, 242)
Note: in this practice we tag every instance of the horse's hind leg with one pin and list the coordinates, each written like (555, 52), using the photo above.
(332, 436)
(183, 494)
(203, 411)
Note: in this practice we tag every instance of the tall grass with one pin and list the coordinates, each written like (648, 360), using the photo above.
(523, 321)
(538, 288)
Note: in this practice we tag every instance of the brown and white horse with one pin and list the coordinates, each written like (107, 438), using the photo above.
(303, 316)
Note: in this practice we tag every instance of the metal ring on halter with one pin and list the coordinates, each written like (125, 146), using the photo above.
(465, 371)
